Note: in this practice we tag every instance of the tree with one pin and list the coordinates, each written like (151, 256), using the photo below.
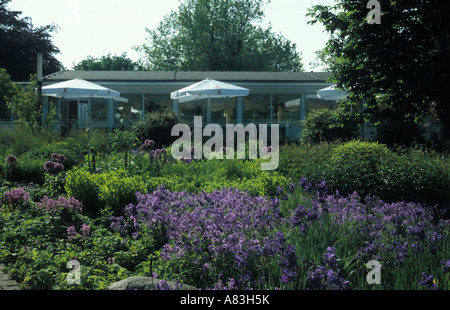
(400, 64)
(6, 92)
(20, 43)
(218, 35)
(108, 63)
(28, 109)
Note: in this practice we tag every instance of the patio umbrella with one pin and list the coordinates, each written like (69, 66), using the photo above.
(79, 88)
(208, 89)
(331, 93)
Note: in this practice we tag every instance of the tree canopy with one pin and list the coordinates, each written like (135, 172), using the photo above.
(401, 63)
(108, 63)
(218, 35)
(20, 43)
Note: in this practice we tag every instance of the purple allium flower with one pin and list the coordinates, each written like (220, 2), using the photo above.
(110, 260)
(158, 152)
(55, 156)
(11, 159)
(49, 165)
(62, 158)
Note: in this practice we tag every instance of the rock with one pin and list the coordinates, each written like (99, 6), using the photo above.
(141, 284)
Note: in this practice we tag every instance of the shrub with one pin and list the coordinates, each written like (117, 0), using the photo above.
(24, 171)
(117, 192)
(157, 126)
(85, 187)
(356, 165)
(415, 175)
(327, 125)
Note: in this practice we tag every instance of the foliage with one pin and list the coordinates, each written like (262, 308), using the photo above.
(370, 168)
(403, 59)
(28, 109)
(123, 141)
(117, 192)
(157, 125)
(108, 63)
(327, 125)
(21, 42)
(85, 187)
(6, 92)
(218, 36)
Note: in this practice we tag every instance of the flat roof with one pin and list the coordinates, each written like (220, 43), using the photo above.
(189, 76)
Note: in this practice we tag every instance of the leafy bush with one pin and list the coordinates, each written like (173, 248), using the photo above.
(326, 125)
(370, 168)
(116, 192)
(85, 187)
(356, 165)
(157, 126)
(24, 171)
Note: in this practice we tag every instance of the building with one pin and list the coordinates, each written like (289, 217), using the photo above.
(283, 98)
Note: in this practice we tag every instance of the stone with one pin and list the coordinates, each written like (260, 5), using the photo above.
(141, 284)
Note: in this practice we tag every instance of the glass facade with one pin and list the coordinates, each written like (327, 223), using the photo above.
(286, 108)
(257, 109)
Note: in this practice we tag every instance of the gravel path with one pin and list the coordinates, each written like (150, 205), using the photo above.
(5, 281)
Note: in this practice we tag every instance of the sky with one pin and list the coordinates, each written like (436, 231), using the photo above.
(98, 27)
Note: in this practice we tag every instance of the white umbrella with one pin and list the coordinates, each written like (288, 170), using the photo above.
(331, 93)
(79, 88)
(208, 89)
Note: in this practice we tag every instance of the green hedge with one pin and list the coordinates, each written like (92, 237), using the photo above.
(370, 168)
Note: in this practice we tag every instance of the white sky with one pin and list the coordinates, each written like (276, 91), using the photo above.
(99, 27)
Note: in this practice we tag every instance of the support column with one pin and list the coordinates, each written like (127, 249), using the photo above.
(240, 110)
(271, 109)
(208, 111)
(303, 107)
(110, 114)
(143, 106)
(176, 107)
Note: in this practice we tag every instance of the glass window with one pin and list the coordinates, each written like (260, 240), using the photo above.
(155, 103)
(257, 109)
(127, 113)
(286, 108)
(313, 104)
(99, 109)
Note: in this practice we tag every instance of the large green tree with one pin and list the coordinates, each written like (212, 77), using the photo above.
(218, 35)
(108, 63)
(20, 42)
(401, 63)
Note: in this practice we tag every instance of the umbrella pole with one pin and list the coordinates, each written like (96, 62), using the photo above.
(208, 111)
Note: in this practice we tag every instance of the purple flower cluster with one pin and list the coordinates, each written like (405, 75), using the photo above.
(325, 277)
(148, 144)
(224, 226)
(55, 167)
(62, 203)
(428, 282)
(72, 232)
(11, 159)
(384, 223)
(17, 197)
